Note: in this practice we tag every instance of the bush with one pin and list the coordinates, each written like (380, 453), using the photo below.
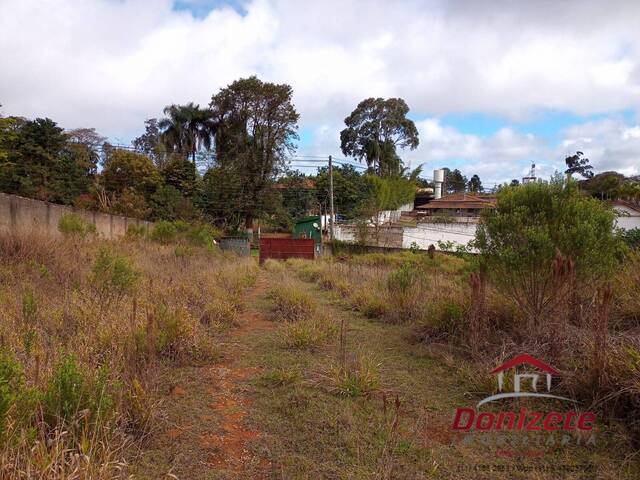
(307, 334)
(72, 225)
(631, 238)
(11, 387)
(446, 317)
(67, 393)
(112, 275)
(135, 231)
(164, 232)
(202, 235)
(292, 304)
(535, 225)
(362, 377)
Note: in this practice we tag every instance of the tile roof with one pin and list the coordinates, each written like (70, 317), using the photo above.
(460, 200)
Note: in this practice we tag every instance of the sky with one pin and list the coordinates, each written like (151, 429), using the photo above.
(493, 86)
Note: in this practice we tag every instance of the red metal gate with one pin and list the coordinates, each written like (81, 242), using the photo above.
(283, 248)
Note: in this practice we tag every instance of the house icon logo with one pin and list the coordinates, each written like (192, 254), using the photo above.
(518, 384)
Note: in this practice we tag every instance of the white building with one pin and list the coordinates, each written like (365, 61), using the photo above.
(628, 214)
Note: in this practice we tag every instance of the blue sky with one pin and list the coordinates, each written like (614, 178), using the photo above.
(492, 86)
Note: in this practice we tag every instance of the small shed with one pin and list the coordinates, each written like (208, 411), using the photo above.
(308, 227)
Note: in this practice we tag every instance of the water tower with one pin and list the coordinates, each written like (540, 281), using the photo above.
(532, 175)
(438, 181)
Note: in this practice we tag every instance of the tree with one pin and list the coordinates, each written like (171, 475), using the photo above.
(256, 125)
(130, 170)
(350, 188)
(37, 150)
(536, 233)
(515, 182)
(150, 142)
(475, 185)
(375, 129)
(604, 185)
(9, 134)
(578, 164)
(87, 145)
(455, 181)
(298, 194)
(186, 129)
(181, 174)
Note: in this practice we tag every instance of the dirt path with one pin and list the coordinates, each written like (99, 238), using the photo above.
(204, 433)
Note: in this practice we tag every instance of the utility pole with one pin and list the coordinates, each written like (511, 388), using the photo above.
(331, 213)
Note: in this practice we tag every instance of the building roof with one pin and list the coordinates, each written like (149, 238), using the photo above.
(311, 218)
(459, 200)
(624, 203)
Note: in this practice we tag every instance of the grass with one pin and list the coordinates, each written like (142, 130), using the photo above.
(433, 338)
(85, 329)
(87, 378)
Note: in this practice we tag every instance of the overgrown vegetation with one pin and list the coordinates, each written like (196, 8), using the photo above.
(86, 328)
(553, 280)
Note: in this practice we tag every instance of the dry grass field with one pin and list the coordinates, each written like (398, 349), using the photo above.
(133, 359)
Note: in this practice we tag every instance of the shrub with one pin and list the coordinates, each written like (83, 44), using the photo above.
(292, 304)
(11, 386)
(401, 280)
(67, 393)
(72, 225)
(308, 333)
(279, 377)
(362, 377)
(164, 232)
(274, 266)
(219, 312)
(136, 231)
(112, 275)
(446, 316)
(534, 225)
(631, 238)
(183, 251)
(202, 235)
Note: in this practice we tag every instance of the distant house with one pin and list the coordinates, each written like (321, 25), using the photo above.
(458, 206)
(308, 227)
(629, 214)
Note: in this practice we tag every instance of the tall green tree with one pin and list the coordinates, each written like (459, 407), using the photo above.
(256, 124)
(186, 129)
(475, 185)
(375, 130)
(37, 151)
(130, 170)
(350, 188)
(150, 142)
(86, 145)
(455, 181)
(579, 164)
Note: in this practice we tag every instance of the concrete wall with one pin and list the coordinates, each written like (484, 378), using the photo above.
(425, 234)
(24, 215)
(240, 246)
(391, 216)
(628, 219)
(384, 236)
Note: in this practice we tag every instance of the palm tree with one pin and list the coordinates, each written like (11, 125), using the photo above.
(187, 128)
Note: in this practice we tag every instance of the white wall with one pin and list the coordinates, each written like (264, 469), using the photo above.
(628, 219)
(425, 234)
(391, 216)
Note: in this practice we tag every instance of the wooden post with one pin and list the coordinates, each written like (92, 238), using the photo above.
(331, 213)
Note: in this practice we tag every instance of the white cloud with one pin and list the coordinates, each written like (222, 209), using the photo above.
(610, 144)
(112, 63)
